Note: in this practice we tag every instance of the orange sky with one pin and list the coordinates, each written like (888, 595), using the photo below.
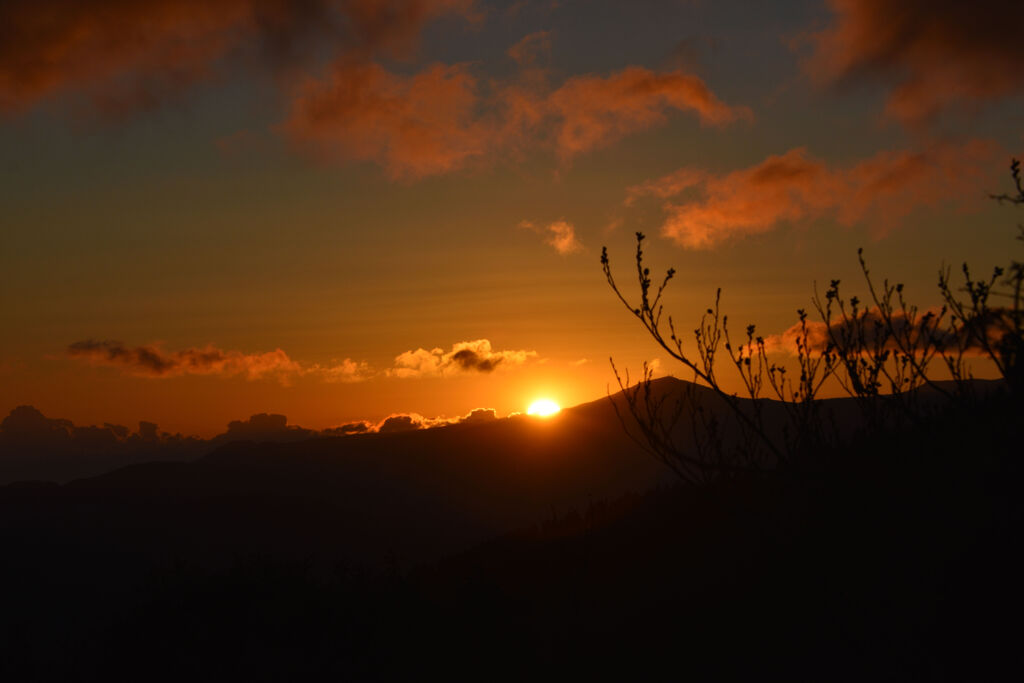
(343, 209)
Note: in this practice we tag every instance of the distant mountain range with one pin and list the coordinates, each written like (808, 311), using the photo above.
(36, 447)
(413, 494)
(416, 494)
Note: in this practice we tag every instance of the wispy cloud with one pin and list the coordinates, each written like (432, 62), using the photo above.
(593, 111)
(154, 362)
(796, 187)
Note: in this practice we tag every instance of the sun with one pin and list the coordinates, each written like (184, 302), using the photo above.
(543, 407)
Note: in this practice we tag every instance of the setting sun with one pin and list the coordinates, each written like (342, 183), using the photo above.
(543, 407)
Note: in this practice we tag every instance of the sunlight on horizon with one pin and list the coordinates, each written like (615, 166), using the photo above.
(543, 407)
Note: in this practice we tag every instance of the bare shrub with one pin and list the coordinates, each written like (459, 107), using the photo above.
(886, 353)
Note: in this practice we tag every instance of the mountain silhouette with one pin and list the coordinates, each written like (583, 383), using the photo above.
(498, 548)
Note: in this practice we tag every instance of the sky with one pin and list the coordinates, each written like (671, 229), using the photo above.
(341, 210)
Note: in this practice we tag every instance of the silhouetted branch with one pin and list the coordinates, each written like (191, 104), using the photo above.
(881, 354)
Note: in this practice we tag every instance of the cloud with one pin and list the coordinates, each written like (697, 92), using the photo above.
(359, 427)
(594, 111)
(346, 371)
(400, 423)
(469, 356)
(264, 427)
(414, 126)
(531, 48)
(33, 446)
(112, 48)
(27, 426)
(395, 24)
(127, 55)
(563, 238)
(870, 332)
(561, 235)
(443, 118)
(666, 186)
(406, 422)
(152, 361)
(480, 416)
(131, 54)
(795, 187)
(933, 54)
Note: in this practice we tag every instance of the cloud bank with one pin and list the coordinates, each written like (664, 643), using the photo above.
(152, 361)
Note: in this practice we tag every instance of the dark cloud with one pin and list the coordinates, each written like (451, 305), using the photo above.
(933, 53)
(360, 427)
(33, 446)
(403, 422)
(264, 427)
(27, 426)
(399, 423)
(467, 359)
(149, 431)
(131, 54)
(531, 48)
(480, 416)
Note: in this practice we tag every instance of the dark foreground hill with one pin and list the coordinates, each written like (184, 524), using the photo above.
(301, 561)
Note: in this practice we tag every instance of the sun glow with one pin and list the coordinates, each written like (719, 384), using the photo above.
(543, 407)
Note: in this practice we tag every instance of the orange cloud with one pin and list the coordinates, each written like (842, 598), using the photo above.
(442, 118)
(127, 54)
(469, 356)
(935, 54)
(562, 236)
(795, 187)
(594, 111)
(152, 361)
(414, 126)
